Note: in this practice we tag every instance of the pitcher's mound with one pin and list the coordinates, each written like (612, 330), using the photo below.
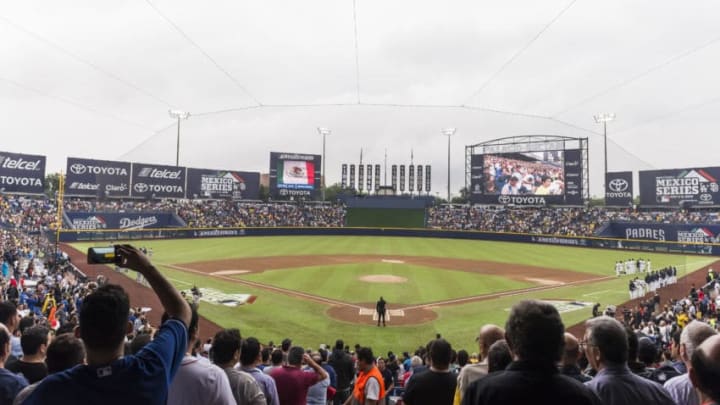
(383, 278)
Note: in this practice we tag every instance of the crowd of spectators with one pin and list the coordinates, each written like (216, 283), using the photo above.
(34, 215)
(223, 213)
(569, 221)
(29, 215)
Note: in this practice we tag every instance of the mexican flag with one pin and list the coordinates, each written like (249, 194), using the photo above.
(296, 172)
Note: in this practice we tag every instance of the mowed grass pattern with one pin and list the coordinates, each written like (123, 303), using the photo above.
(424, 284)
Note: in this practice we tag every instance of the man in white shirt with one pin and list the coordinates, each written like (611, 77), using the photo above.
(680, 388)
(512, 187)
(488, 335)
(199, 382)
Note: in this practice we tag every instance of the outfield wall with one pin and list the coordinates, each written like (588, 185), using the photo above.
(708, 249)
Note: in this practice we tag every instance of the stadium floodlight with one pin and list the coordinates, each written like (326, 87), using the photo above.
(324, 132)
(449, 132)
(604, 118)
(179, 115)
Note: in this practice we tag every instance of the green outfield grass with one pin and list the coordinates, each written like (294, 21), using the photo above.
(424, 284)
(275, 316)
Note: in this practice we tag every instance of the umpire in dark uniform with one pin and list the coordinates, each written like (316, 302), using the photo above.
(381, 307)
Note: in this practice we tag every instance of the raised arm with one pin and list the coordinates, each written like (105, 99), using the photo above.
(321, 373)
(173, 303)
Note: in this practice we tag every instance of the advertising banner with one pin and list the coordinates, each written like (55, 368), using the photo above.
(694, 186)
(476, 178)
(157, 181)
(343, 176)
(683, 233)
(20, 173)
(294, 175)
(361, 177)
(377, 177)
(100, 220)
(411, 178)
(223, 184)
(352, 177)
(393, 179)
(573, 177)
(369, 177)
(97, 178)
(619, 189)
(428, 181)
(419, 178)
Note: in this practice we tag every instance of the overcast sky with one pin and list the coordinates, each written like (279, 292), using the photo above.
(95, 79)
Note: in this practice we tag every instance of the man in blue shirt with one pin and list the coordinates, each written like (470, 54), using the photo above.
(10, 384)
(607, 352)
(109, 378)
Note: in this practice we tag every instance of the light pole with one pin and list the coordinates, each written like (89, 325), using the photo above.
(604, 118)
(324, 132)
(449, 132)
(179, 115)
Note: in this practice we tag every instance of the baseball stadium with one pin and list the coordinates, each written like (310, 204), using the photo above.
(361, 212)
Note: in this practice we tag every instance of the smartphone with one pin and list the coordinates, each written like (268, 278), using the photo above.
(103, 255)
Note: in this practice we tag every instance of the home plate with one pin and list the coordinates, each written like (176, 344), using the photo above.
(388, 314)
(392, 261)
(229, 272)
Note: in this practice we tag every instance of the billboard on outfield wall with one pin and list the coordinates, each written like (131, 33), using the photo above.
(223, 184)
(294, 175)
(97, 178)
(673, 187)
(619, 189)
(157, 181)
(20, 173)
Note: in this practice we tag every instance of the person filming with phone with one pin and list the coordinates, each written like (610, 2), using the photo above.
(108, 377)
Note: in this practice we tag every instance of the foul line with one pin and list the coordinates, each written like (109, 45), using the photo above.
(265, 287)
(504, 294)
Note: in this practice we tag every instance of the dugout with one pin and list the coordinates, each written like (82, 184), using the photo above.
(387, 211)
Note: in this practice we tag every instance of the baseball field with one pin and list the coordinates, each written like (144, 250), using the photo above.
(316, 289)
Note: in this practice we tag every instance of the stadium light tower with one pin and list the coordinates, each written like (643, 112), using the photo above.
(449, 132)
(324, 132)
(605, 118)
(179, 115)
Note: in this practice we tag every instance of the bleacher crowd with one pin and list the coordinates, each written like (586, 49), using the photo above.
(553, 221)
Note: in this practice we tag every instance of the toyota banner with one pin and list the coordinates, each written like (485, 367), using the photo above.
(158, 181)
(97, 178)
(676, 187)
(20, 173)
(217, 184)
(619, 189)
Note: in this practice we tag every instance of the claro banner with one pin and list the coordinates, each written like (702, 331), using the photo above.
(204, 183)
(694, 186)
(619, 189)
(21, 173)
(157, 181)
(97, 178)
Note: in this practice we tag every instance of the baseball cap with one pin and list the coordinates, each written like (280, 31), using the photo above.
(515, 177)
